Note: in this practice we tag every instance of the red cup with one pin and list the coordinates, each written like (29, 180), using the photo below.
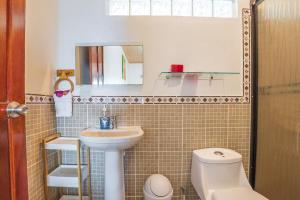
(176, 68)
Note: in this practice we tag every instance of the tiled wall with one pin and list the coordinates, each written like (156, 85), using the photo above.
(40, 123)
(172, 132)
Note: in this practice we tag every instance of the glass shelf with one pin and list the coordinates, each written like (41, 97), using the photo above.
(199, 75)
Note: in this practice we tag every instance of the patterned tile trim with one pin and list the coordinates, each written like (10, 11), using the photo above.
(246, 55)
(245, 99)
(38, 99)
(41, 99)
(159, 100)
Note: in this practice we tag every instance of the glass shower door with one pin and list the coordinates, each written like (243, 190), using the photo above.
(278, 111)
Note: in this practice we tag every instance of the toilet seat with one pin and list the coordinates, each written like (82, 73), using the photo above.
(237, 194)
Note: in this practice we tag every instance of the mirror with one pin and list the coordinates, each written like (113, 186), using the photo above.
(109, 65)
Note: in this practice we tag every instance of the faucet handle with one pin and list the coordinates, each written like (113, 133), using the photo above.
(113, 122)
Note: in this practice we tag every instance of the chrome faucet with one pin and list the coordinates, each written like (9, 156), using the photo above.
(113, 122)
(108, 121)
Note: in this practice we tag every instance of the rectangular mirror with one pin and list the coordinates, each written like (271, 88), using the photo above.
(109, 65)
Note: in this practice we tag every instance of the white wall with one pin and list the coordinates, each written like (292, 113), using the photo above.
(202, 44)
(40, 45)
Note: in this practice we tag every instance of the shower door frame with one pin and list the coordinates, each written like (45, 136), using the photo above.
(254, 107)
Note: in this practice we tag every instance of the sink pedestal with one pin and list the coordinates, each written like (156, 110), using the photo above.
(114, 176)
(113, 142)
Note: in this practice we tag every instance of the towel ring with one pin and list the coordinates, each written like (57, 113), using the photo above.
(61, 80)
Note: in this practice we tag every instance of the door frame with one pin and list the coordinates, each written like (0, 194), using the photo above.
(254, 106)
(13, 171)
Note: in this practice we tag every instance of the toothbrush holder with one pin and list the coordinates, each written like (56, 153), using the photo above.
(105, 123)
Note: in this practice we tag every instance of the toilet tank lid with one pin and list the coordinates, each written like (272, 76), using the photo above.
(217, 155)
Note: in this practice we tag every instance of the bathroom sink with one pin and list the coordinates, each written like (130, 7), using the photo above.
(113, 143)
(116, 139)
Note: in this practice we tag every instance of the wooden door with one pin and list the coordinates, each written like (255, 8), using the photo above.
(13, 169)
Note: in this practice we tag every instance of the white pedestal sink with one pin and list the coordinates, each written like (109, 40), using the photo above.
(113, 142)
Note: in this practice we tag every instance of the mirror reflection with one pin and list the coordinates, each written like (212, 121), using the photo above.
(109, 65)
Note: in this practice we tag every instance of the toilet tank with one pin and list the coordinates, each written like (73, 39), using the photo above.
(216, 168)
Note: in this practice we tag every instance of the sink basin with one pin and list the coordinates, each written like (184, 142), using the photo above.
(113, 142)
(115, 139)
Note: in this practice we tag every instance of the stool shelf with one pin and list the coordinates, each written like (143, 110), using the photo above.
(73, 197)
(66, 176)
(62, 143)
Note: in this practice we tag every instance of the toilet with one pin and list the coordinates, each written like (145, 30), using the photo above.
(218, 174)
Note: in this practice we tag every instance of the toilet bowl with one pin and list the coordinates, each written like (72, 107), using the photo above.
(158, 187)
(218, 174)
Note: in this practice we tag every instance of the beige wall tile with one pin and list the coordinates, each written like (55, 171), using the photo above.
(124, 113)
(79, 118)
(171, 133)
(216, 137)
(239, 115)
(146, 116)
(129, 163)
(170, 116)
(239, 140)
(175, 180)
(147, 163)
(48, 122)
(150, 140)
(170, 162)
(194, 116)
(33, 120)
(193, 138)
(130, 185)
(189, 190)
(40, 123)
(170, 139)
(130, 198)
(140, 181)
(186, 162)
(216, 116)
(95, 111)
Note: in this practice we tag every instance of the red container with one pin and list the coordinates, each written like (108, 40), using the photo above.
(176, 68)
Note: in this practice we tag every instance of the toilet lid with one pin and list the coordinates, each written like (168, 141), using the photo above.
(160, 185)
(237, 194)
(217, 155)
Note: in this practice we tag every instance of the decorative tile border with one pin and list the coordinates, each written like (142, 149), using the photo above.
(246, 20)
(246, 55)
(38, 99)
(42, 99)
(159, 100)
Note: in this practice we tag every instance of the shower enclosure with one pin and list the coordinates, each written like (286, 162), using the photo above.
(276, 122)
